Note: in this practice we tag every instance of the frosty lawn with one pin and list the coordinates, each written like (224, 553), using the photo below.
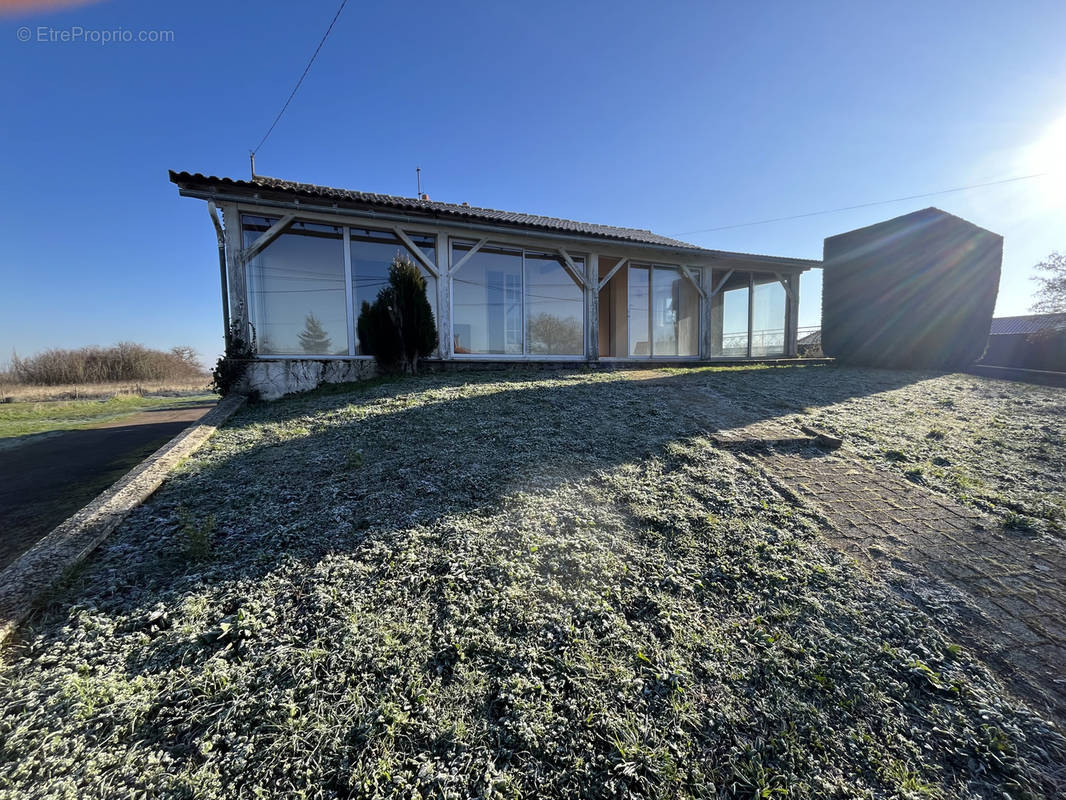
(530, 585)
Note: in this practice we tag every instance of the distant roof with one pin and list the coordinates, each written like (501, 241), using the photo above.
(199, 182)
(812, 338)
(1030, 323)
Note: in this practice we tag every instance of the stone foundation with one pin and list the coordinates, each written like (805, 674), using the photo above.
(273, 378)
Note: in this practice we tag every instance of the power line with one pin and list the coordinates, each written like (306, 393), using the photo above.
(304, 75)
(864, 205)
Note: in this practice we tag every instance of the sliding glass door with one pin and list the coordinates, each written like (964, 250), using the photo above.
(664, 312)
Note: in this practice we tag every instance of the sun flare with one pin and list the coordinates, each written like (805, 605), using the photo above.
(1048, 155)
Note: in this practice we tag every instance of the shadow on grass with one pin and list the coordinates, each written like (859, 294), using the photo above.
(334, 469)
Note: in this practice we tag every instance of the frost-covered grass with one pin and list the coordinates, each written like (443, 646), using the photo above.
(518, 585)
(997, 445)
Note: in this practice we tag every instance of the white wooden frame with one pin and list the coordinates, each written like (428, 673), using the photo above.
(444, 271)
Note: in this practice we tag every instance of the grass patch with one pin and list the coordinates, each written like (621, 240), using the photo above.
(524, 585)
(23, 419)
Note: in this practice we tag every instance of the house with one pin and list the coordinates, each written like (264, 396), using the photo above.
(916, 291)
(809, 345)
(298, 261)
(1032, 341)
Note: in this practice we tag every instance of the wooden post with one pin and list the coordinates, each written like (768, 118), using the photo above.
(236, 278)
(793, 314)
(706, 313)
(444, 297)
(751, 308)
(592, 307)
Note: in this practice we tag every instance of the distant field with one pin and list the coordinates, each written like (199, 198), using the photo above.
(29, 417)
(12, 391)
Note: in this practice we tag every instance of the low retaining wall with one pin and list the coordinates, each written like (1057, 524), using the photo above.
(1042, 377)
(273, 378)
(24, 581)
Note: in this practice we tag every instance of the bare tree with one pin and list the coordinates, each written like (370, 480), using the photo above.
(1051, 296)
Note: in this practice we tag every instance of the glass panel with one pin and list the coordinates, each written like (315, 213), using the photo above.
(372, 254)
(555, 307)
(688, 316)
(296, 297)
(487, 301)
(665, 291)
(730, 312)
(638, 312)
(768, 317)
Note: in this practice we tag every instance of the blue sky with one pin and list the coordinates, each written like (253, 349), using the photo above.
(672, 116)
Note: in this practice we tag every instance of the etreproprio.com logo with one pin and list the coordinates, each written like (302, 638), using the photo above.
(76, 34)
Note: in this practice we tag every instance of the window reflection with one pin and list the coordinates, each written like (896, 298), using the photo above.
(372, 253)
(555, 307)
(487, 301)
(296, 296)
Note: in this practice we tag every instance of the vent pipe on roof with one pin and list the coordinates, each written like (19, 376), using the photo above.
(251, 159)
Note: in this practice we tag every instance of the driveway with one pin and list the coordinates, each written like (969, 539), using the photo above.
(46, 478)
(998, 590)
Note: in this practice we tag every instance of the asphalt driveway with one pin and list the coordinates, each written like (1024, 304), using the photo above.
(46, 478)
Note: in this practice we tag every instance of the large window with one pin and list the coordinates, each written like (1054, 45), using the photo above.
(748, 315)
(506, 301)
(639, 344)
(767, 316)
(729, 316)
(555, 307)
(664, 312)
(298, 285)
(372, 253)
(296, 295)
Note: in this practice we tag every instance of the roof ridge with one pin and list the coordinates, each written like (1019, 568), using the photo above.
(468, 206)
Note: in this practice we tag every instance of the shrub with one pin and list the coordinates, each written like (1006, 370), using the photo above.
(230, 368)
(398, 328)
(126, 361)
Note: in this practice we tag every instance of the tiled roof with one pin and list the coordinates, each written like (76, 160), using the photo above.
(1031, 323)
(431, 207)
(812, 338)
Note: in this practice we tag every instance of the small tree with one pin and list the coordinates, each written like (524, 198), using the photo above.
(228, 373)
(1051, 296)
(398, 328)
(313, 338)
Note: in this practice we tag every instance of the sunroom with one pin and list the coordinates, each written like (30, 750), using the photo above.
(297, 262)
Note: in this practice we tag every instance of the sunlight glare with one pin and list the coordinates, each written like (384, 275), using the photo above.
(1048, 154)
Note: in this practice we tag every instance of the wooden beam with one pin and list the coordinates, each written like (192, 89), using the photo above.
(693, 281)
(572, 268)
(785, 283)
(417, 252)
(455, 267)
(621, 263)
(721, 283)
(268, 236)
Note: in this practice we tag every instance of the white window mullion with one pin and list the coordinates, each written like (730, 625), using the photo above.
(349, 292)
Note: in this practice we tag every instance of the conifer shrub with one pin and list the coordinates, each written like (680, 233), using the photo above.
(398, 327)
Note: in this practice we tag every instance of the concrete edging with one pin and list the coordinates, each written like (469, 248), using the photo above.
(24, 581)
